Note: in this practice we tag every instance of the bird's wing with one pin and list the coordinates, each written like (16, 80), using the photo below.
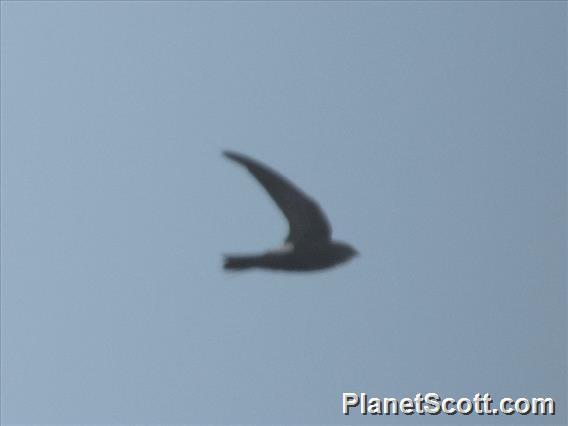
(307, 221)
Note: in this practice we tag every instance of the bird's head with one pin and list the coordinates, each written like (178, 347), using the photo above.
(345, 251)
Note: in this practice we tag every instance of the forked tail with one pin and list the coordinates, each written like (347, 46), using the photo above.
(240, 262)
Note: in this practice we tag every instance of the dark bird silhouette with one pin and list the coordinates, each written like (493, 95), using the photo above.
(309, 246)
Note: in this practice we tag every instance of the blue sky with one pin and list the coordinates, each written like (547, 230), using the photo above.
(433, 134)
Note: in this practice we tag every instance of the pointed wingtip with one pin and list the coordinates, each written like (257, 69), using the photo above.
(231, 154)
(239, 158)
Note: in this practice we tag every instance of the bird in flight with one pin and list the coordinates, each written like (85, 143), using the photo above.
(309, 246)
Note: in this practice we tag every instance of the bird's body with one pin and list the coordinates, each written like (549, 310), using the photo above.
(312, 258)
(309, 246)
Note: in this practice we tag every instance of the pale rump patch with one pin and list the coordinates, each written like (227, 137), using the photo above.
(285, 248)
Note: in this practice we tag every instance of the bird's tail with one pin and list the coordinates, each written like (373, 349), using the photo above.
(240, 262)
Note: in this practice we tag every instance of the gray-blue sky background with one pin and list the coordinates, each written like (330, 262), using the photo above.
(433, 134)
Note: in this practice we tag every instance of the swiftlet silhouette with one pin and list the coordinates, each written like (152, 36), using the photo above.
(309, 246)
